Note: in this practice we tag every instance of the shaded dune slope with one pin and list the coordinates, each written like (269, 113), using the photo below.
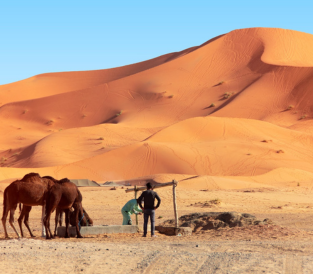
(239, 105)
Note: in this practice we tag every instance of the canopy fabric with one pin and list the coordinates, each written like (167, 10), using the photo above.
(84, 182)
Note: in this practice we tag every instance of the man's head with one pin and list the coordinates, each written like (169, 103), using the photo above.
(149, 185)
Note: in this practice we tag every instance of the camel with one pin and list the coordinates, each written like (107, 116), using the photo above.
(84, 220)
(63, 195)
(31, 190)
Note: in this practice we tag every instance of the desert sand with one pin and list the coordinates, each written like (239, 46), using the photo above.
(230, 119)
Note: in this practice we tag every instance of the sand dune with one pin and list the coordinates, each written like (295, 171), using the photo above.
(238, 105)
(230, 120)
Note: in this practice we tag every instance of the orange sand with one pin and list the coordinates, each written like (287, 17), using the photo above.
(230, 119)
(157, 117)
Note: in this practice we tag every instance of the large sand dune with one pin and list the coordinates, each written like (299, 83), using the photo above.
(240, 104)
(231, 120)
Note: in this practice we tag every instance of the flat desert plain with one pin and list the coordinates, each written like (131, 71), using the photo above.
(230, 120)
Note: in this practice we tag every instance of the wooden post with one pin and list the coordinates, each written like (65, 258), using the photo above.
(136, 198)
(174, 202)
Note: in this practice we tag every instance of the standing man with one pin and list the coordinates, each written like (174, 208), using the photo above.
(128, 209)
(148, 198)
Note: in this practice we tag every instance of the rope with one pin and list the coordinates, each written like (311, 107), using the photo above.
(80, 221)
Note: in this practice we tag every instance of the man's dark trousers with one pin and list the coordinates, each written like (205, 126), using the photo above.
(148, 213)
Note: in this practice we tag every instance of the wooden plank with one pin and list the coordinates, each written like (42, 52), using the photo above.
(156, 186)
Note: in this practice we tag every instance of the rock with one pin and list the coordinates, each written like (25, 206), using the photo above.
(212, 220)
(184, 231)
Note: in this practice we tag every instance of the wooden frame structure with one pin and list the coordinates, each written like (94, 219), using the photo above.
(174, 183)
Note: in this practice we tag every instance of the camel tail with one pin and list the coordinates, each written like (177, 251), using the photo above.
(20, 207)
(47, 203)
(80, 196)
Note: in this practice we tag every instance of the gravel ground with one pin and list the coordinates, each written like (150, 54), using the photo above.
(161, 255)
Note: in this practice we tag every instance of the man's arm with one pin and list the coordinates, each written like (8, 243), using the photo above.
(140, 200)
(137, 210)
(159, 200)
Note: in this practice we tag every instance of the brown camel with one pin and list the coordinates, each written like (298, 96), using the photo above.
(31, 190)
(83, 220)
(63, 195)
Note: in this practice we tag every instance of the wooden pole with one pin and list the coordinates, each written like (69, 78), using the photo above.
(136, 199)
(174, 202)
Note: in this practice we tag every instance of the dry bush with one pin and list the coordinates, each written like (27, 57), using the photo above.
(226, 95)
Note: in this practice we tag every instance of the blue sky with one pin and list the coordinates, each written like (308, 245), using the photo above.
(53, 36)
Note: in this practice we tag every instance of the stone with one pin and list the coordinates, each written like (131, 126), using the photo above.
(184, 231)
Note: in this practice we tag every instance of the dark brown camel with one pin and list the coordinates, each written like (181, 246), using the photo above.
(63, 195)
(83, 220)
(30, 191)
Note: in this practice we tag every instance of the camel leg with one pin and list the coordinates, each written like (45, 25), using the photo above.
(77, 209)
(25, 215)
(58, 219)
(4, 220)
(43, 231)
(20, 220)
(11, 221)
(61, 217)
(51, 204)
(26, 222)
(46, 222)
(67, 222)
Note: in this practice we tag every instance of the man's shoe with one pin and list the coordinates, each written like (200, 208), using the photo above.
(154, 236)
(144, 235)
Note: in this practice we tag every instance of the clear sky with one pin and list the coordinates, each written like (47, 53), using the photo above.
(53, 36)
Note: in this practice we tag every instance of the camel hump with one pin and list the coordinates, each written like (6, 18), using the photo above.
(49, 178)
(31, 176)
(64, 180)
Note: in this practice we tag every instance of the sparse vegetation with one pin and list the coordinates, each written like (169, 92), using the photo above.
(101, 138)
(298, 184)
(3, 159)
(303, 117)
(226, 95)
(280, 151)
(266, 141)
(84, 115)
(50, 122)
(216, 201)
(160, 217)
(290, 107)
(118, 114)
(211, 203)
(212, 105)
(170, 96)
(219, 83)
(24, 112)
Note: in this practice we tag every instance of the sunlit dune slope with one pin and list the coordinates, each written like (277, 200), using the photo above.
(174, 114)
(206, 146)
(60, 82)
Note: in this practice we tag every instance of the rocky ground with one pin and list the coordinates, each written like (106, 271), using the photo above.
(134, 254)
(284, 245)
